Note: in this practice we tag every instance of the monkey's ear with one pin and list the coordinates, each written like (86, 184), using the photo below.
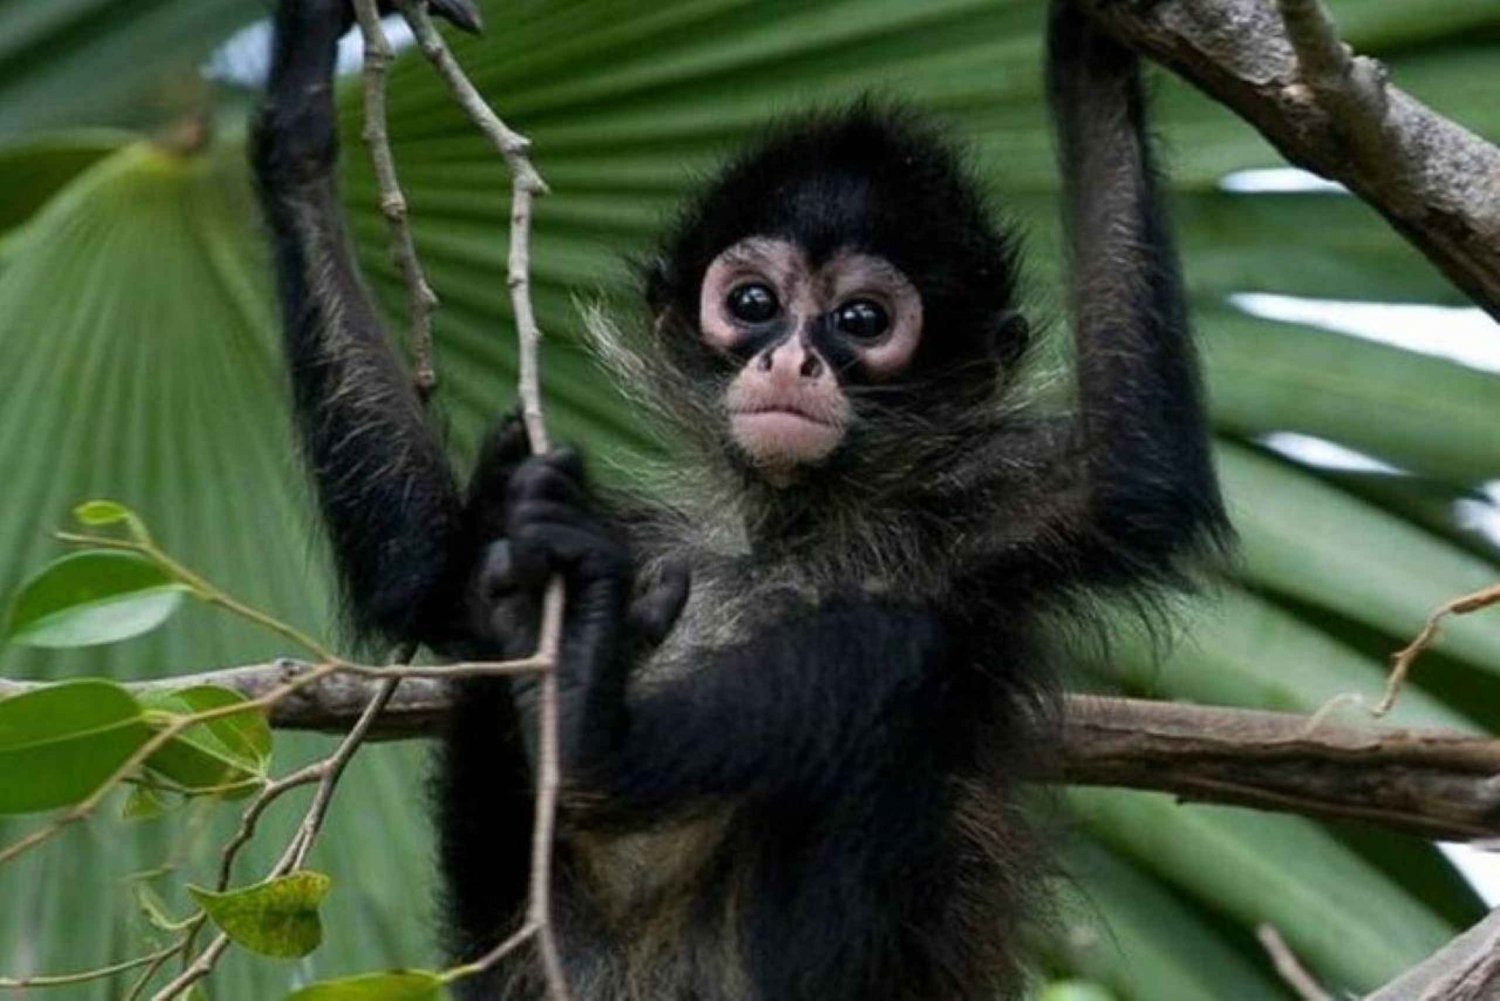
(1010, 336)
(659, 287)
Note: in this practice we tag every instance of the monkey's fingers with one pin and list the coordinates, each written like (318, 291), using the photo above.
(565, 540)
(557, 477)
(655, 612)
(504, 448)
(509, 569)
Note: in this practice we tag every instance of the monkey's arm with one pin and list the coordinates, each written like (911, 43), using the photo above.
(386, 490)
(1149, 487)
(816, 696)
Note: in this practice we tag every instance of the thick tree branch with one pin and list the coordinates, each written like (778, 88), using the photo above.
(1433, 783)
(1466, 969)
(1436, 182)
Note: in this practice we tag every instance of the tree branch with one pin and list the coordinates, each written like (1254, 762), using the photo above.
(1466, 969)
(1334, 113)
(1433, 783)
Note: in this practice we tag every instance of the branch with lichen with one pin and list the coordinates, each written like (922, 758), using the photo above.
(1281, 66)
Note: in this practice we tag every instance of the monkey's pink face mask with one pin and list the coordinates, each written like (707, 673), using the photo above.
(787, 407)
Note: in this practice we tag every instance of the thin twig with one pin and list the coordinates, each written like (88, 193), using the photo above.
(67, 979)
(420, 299)
(1402, 661)
(492, 957)
(149, 973)
(248, 820)
(333, 770)
(196, 971)
(526, 184)
(1288, 966)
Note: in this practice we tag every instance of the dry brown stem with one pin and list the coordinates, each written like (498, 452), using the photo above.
(1288, 966)
(526, 185)
(420, 299)
(1403, 659)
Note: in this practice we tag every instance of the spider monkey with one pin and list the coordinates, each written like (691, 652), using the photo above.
(798, 699)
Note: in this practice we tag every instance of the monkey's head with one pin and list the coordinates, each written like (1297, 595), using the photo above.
(841, 275)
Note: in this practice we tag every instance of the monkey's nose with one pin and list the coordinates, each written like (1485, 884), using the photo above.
(791, 361)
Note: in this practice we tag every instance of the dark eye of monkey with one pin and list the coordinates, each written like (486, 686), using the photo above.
(861, 319)
(753, 303)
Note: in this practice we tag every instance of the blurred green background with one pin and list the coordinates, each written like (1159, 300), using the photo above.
(139, 361)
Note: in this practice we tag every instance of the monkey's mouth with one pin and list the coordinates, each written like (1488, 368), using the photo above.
(783, 435)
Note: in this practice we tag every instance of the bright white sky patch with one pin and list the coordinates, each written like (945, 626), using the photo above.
(1324, 454)
(1464, 334)
(245, 57)
(1482, 516)
(1278, 180)
(1479, 867)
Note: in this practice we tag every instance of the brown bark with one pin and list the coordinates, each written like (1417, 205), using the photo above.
(1433, 783)
(1436, 182)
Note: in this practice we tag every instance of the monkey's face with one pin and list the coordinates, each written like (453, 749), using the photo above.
(801, 333)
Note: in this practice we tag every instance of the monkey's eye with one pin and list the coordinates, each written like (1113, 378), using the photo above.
(861, 319)
(752, 303)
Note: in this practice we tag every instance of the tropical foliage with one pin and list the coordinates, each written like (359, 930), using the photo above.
(140, 361)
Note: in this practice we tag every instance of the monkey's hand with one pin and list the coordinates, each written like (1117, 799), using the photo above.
(553, 527)
(501, 610)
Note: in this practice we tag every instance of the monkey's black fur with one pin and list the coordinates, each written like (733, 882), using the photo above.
(800, 780)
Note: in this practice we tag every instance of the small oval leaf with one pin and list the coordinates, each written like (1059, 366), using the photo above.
(96, 596)
(397, 985)
(216, 752)
(276, 918)
(60, 743)
(143, 803)
(98, 513)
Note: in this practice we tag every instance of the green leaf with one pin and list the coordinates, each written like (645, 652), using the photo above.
(1303, 538)
(1336, 911)
(54, 55)
(1145, 941)
(1074, 990)
(276, 918)
(154, 909)
(60, 743)
(228, 749)
(143, 803)
(32, 171)
(398, 985)
(97, 513)
(1238, 649)
(96, 596)
(1436, 417)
